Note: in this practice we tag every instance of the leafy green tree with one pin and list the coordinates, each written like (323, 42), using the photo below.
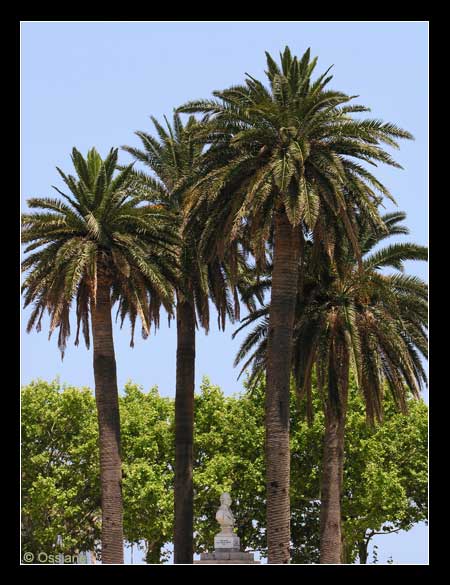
(229, 441)
(229, 456)
(60, 469)
(385, 475)
(282, 166)
(385, 483)
(60, 474)
(148, 463)
(385, 472)
(97, 246)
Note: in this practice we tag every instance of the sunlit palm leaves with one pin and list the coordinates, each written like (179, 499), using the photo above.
(97, 229)
(380, 318)
(294, 144)
(174, 161)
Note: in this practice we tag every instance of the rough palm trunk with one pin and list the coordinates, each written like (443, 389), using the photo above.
(106, 396)
(331, 551)
(184, 432)
(279, 351)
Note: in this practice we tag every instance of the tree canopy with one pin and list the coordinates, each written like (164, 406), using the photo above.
(385, 479)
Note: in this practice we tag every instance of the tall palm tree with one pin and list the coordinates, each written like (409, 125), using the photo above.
(378, 322)
(96, 246)
(344, 315)
(173, 160)
(279, 159)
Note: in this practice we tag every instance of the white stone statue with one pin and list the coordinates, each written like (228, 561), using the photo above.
(224, 515)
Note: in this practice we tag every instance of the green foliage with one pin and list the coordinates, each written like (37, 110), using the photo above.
(148, 460)
(386, 473)
(228, 456)
(385, 469)
(60, 475)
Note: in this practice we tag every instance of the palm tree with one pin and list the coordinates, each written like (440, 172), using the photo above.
(379, 322)
(344, 315)
(96, 246)
(279, 159)
(173, 160)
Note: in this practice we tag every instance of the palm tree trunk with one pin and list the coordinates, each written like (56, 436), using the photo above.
(184, 432)
(331, 551)
(106, 396)
(330, 511)
(279, 351)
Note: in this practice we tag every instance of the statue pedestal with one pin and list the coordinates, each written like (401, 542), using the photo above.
(221, 557)
(227, 542)
(226, 545)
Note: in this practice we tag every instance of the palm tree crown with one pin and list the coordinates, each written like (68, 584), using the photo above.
(174, 159)
(98, 231)
(380, 317)
(293, 144)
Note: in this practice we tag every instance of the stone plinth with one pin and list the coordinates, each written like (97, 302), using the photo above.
(229, 542)
(226, 558)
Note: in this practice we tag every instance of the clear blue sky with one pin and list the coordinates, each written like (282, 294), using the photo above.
(95, 83)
